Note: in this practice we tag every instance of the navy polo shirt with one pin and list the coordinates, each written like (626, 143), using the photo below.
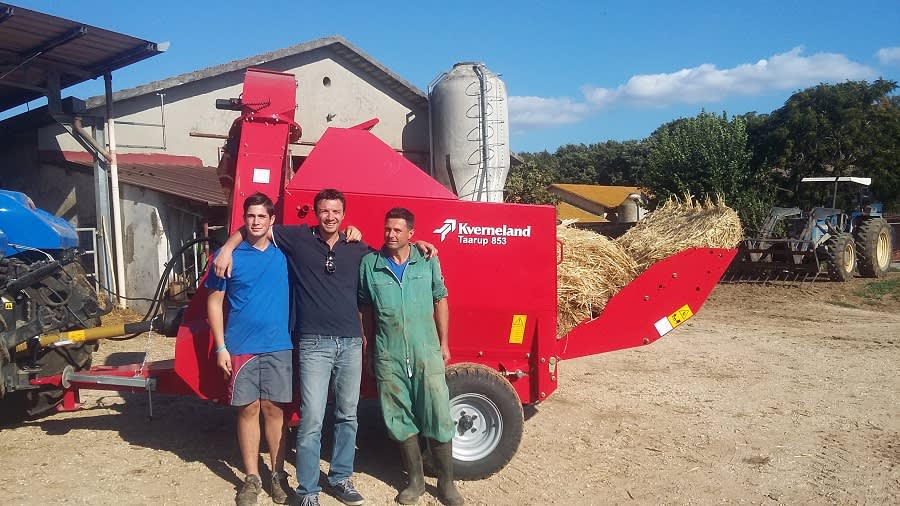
(257, 294)
(321, 302)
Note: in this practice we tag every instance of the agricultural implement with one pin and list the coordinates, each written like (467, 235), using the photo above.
(499, 263)
(797, 245)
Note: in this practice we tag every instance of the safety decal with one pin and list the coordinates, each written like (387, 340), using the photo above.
(7, 305)
(76, 335)
(517, 330)
(681, 315)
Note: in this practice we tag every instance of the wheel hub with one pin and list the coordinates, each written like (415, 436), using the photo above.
(465, 422)
(479, 426)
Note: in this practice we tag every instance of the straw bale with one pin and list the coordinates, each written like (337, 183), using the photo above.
(593, 269)
(679, 224)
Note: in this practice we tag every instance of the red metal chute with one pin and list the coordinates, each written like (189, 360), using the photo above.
(661, 298)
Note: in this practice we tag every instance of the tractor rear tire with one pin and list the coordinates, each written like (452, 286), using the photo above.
(489, 420)
(841, 257)
(873, 247)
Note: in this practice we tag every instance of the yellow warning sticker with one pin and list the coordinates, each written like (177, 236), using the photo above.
(517, 331)
(76, 335)
(680, 316)
(7, 305)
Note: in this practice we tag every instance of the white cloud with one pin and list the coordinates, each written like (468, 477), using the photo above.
(702, 84)
(888, 55)
(530, 112)
(706, 83)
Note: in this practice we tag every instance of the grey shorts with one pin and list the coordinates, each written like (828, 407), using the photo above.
(267, 376)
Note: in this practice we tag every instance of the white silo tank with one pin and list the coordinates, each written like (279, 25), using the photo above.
(469, 132)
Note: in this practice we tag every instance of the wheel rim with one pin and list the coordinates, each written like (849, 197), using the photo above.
(849, 257)
(479, 426)
(882, 251)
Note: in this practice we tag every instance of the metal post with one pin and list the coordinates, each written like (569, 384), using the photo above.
(101, 201)
(118, 226)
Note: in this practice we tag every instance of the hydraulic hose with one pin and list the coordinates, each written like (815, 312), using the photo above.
(160, 286)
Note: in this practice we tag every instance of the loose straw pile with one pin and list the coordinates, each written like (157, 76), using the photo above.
(595, 268)
(677, 225)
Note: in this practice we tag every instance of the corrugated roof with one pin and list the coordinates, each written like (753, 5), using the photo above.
(200, 184)
(181, 176)
(566, 211)
(341, 46)
(607, 196)
(34, 45)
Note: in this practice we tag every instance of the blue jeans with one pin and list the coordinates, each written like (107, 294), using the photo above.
(325, 359)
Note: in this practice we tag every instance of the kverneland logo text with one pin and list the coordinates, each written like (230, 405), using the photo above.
(471, 233)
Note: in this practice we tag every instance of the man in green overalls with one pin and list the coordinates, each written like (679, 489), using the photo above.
(403, 302)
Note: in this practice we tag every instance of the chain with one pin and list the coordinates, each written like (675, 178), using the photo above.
(140, 372)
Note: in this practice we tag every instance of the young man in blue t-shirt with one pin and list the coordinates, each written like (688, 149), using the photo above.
(254, 348)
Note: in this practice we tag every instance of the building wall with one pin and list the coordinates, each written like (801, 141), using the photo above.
(63, 192)
(330, 92)
(156, 225)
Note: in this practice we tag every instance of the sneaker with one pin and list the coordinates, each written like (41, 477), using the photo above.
(249, 491)
(345, 492)
(281, 491)
(307, 500)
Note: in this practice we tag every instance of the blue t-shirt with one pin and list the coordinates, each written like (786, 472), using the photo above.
(396, 268)
(257, 293)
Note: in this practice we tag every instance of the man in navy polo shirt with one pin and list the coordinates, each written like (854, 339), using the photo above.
(324, 269)
(254, 348)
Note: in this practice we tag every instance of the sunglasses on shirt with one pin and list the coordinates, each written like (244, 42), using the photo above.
(329, 262)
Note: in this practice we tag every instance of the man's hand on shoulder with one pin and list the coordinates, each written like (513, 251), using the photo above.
(353, 234)
(427, 249)
(223, 262)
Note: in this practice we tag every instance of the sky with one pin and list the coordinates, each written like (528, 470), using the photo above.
(576, 71)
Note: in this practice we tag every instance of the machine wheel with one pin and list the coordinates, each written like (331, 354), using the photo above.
(873, 247)
(25, 404)
(488, 417)
(842, 257)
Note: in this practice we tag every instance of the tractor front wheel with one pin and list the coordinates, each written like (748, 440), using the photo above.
(873, 245)
(488, 417)
(842, 257)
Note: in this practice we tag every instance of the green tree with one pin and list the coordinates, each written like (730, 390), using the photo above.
(527, 183)
(616, 163)
(707, 155)
(846, 129)
(575, 164)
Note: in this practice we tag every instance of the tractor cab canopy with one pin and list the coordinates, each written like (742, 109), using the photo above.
(865, 181)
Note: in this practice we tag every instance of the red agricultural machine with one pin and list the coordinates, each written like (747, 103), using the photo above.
(499, 264)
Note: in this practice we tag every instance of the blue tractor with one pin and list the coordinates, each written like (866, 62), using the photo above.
(794, 244)
(44, 289)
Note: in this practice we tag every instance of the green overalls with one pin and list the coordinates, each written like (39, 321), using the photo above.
(409, 366)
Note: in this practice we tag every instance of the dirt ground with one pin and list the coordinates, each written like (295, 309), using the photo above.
(770, 395)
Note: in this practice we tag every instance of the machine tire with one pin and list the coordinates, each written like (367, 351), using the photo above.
(27, 404)
(873, 247)
(842, 257)
(481, 391)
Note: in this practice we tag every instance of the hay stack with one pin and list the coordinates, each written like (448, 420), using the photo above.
(594, 268)
(681, 224)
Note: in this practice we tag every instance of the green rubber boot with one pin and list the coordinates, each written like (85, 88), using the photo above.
(443, 464)
(412, 462)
